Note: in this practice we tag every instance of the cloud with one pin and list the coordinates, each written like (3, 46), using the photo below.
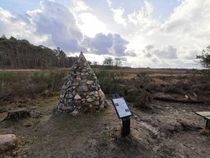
(12, 25)
(144, 15)
(143, 18)
(59, 24)
(111, 44)
(117, 14)
(80, 6)
(87, 21)
(189, 23)
(130, 53)
(101, 43)
(52, 25)
(180, 37)
(168, 52)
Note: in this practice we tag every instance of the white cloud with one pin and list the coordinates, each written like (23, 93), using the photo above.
(143, 16)
(58, 23)
(90, 25)
(80, 6)
(87, 22)
(187, 29)
(11, 25)
(111, 44)
(168, 52)
(4, 14)
(117, 14)
(58, 27)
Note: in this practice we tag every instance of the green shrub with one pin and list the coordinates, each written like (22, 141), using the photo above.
(110, 81)
(30, 83)
(139, 92)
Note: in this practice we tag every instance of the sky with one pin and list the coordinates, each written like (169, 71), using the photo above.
(143, 33)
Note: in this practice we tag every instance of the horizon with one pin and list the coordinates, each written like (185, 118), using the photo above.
(143, 34)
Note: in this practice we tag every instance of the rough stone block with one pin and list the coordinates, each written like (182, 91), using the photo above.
(7, 142)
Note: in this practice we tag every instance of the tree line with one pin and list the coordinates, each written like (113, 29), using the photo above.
(16, 53)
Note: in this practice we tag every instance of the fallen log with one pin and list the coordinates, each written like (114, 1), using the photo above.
(170, 98)
(177, 100)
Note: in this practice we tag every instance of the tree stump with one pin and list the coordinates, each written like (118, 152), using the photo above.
(17, 114)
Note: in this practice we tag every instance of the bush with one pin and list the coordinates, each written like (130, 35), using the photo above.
(110, 81)
(29, 84)
(140, 94)
(139, 97)
(136, 91)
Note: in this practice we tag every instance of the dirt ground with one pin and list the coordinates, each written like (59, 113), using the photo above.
(167, 130)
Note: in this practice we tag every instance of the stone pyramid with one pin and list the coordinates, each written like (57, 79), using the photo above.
(81, 93)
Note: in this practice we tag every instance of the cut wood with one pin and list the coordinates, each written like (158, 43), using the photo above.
(17, 114)
(206, 116)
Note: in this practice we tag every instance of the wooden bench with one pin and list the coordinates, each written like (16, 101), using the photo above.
(206, 116)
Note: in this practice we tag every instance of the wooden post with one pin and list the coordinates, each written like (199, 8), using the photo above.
(125, 127)
(207, 124)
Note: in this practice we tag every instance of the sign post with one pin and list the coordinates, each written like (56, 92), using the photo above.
(123, 113)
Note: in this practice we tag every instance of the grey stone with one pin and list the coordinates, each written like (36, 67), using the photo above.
(67, 108)
(90, 100)
(69, 96)
(96, 94)
(92, 93)
(77, 97)
(78, 78)
(7, 142)
(82, 88)
(89, 82)
(76, 83)
(75, 112)
(96, 103)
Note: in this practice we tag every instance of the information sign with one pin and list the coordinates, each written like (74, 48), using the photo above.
(121, 107)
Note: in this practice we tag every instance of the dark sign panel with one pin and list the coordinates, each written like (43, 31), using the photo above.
(121, 107)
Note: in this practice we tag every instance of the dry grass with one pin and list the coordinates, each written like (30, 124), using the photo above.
(30, 83)
(33, 82)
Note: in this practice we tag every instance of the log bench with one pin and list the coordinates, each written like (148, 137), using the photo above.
(206, 116)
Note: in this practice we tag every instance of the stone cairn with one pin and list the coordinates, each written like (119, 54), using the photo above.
(81, 93)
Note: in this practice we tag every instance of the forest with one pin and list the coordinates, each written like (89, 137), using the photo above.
(15, 53)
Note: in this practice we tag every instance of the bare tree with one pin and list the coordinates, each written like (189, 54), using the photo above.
(95, 63)
(205, 57)
(108, 61)
(118, 62)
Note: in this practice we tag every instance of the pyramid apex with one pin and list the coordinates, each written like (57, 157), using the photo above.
(81, 54)
(82, 57)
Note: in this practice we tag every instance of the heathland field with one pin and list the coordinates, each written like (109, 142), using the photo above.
(163, 102)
